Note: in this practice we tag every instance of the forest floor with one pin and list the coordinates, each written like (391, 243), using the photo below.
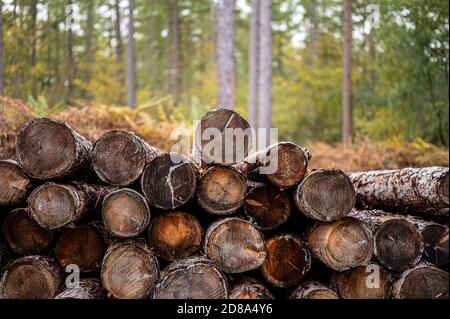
(91, 122)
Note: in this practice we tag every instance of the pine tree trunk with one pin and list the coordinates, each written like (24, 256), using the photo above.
(249, 288)
(175, 80)
(253, 66)
(33, 37)
(131, 54)
(314, 28)
(119, 50)
(15, 184)
(70, 63)
(89, 39)
(313, 290)
(347, 133)
(88, 288)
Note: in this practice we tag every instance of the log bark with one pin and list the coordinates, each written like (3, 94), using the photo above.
(214, 142)
(195, 277)
(30, 277)
(288, 261)
(5, 256)
(125, 213)
(119, 157)
(313, 290)
(249, 288)
(221, 190)
(83, 246)
(235, 245)
(53, 206)
(169, 181)
(342, 244)
(422, 191)
(88, 288)
(174, 235)
(129, 270)
(15, 184)
(267, 207)
(48, 149)
(398, 243)
(23, 235)
(363, 283)
(423, 281)
(325, 195)
(283, 164)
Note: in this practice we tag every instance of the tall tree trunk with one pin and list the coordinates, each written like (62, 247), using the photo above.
(89, 34)
(131, 66)
(119, 51)
(1, 48)
(265, 67)
(314, 27)
(175, 51)
(347, 86)
(372, 59)
(213, 30)
(225, 47)
(33, 42)
(253, 66)
(69, 55)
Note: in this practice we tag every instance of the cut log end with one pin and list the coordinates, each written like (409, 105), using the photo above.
(15, 184)
(89, 288)
(444, 188)
(313, 290)
(192, 278)
(267, 207)
(221, 190)
(435, 238)
(82, 246)
(31, 277)
(169, 181)
(248, 288)
(235, 245)
(129, 270)
(125, 213)
(174, 235)
(325, 195)
(23, 235)
(288, 261)
(398, 244)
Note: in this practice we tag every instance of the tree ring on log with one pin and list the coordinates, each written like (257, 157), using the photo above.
(15, 184)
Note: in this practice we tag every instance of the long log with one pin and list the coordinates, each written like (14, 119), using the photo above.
(249, 288)
(424, 281)
(373, 282)
(221, 190)
(53, 205)
(398, 243)
(83, 246)
(30, 277)
(195, 277)
(15, 184)
(119, 157)
(174, 235)
(23, 235)
(125, 213)
(342, 244)
(284, 164)
(169, 181)
(129, 270)
(216, 128)
(325, 195)
(313, 290)
(421, 191)
(88, 288)
(48, 149)
(288, 261)
(235, 245)
(267, 207)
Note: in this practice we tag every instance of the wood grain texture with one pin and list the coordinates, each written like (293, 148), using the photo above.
(325, 195)
(15, 184)
(249, 288)
(87, 288)
(313, 290)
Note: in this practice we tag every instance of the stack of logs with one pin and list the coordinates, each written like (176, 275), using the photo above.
(133, 222)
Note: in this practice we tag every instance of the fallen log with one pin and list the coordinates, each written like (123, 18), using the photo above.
(364, 282)
(288, 261)
(423, 281)
(23, 235)
(195, 277)
(48, 149)
(30, 277)
(235, 245)
(249, 288)
(421, 191)
(313, 290)
(325, 195)
(129, 270)
(125, 213)
(88, 288)
(398, 243)
(342, 244)
(283, 164)
(15, 184)
(169, 181)
(174, 235)
(221, 190)
(119, 157)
